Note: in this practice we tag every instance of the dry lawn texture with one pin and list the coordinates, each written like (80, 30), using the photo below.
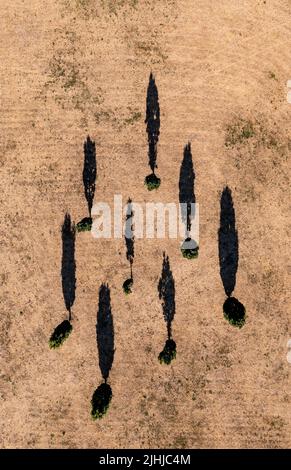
(73, 68)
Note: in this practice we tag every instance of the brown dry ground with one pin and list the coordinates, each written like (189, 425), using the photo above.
(69, 68)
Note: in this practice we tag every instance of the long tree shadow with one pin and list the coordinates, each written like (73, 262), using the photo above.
(166, 288)
(89, 181)
(228, 249)
(105, 344)
(152, 121)
(129, 242)
(68, 274)
(187, 202)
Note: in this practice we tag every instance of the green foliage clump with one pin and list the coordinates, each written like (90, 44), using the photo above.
(189, 249)
(190, 253)
(84, 225)
(234, 312)
(100, 401)
(168, 353)
(60, 334)
(152, 182)
(127, 286)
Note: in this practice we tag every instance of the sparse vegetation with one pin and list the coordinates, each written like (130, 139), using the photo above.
(239, 132)
(152, 182)
(234, 312)
(100, 401)
(133, 118)
(64, 71)
(272, 75)
(113, 6)
(168, 353)
(60, 334)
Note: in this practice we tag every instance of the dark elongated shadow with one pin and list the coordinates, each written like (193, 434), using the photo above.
(89, 172)
(186, 187)
(152, 121)
(166, 288)
(129, 242)
(105, 332)
(89, 181)
(105, 343)
(228, 247)
(187, 200)
(68, 274)
(68, 271)
(227, 242)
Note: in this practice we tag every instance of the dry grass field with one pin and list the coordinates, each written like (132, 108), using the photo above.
(81, 67)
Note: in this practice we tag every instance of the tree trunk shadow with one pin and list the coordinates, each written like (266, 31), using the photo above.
(152, 121)
(68, 271)
(166, 289)
(228, 248)
(89, 181)
(105, 332)
(68, 274)
(187, 202)
(227, 242)
(105, 344)
(129, 242)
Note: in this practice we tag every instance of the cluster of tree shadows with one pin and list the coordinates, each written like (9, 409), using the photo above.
(189, 247)
(68, 273)
(234, 311)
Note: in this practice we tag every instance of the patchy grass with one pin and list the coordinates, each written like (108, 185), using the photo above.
(239, 132)
(66, 83)
(113, 6)
(133, 118)
(257, 131)
(102, 115)
(150, 49)
(64, 72)
(180, 442)
(272, 76)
